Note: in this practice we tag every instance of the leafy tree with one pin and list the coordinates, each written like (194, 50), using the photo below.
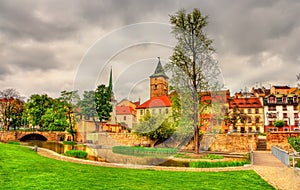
(88, 107)
(55, 117)
(96, 105)
(17, 107)
(193, 67)
(9, 106)
(103, 103)
(68, 99)
(155, 127)
(36, 107)
(279, 123)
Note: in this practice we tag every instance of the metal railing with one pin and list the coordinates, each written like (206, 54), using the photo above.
(282, 155)
(295, 155)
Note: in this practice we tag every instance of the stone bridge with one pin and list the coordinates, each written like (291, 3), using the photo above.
(31, 136)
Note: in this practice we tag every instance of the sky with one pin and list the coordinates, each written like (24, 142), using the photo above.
(48, 46)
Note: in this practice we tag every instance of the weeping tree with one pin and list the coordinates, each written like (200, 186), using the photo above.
(194, 69)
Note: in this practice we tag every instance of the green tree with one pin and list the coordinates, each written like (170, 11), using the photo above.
(8, 106)
(103, 97)
(36, 107)
(279, 123)
(96, 105)
(69, 99)
(55, 117)
(193, 67)
(155, 127)
(17, 107)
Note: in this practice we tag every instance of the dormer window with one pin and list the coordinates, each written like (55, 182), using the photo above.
(295, 99)
(272, 99)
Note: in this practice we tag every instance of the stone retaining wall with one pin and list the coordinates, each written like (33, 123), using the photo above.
(279, 139)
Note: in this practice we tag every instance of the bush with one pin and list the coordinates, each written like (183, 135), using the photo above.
(212, 157)
(69, 142)
(200, 164)
(76, 153)
(295, 143)
(13, 142)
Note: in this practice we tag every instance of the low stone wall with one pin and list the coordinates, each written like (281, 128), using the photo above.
(279, 139)
(130, 139)
(234, 142)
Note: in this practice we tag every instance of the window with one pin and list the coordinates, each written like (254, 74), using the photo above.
(296, 115)
(271, 108)
(249, 120)
(295, 108)
(167, 111)
(257, 120)
(284, 115)
(284, 108)
(159, 111)
(142, 112)
(256, 110)
(155, 87)
(124, 118)
(296, 123)
(249, 111)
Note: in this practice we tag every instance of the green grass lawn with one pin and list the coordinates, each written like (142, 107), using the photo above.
(22, 168)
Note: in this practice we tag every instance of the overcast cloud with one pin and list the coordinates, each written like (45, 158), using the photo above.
(51, 46)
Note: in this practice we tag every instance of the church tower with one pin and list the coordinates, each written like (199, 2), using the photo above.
(158, 82)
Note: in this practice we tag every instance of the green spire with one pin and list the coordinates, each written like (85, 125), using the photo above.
(110, 85)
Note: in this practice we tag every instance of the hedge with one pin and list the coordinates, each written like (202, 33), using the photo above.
(201, 164)
(76, 153)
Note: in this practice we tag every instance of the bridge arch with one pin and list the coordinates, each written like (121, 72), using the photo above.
(33, 137)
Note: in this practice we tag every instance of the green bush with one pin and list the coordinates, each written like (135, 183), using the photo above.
(13, 142)
(212, 157)
(133, 150)
(69, 142)
(76, 153)
(201, 164)
(295, 143)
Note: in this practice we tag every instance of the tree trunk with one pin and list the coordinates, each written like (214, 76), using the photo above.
(196, 140)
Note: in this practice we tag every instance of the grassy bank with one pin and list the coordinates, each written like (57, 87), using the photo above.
(22, 168)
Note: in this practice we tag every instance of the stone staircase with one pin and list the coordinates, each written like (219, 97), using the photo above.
(261, 144)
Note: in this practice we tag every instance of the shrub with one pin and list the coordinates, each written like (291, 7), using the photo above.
(295, 143)
(76, 153)
(212, 157)
(13, 142)
(201, 164)
(69, 142)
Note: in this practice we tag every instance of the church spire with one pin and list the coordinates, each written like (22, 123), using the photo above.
(159, 71)
(110, 85)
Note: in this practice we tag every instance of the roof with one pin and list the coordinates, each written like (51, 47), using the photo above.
(124, 110)
(156, 102)
(245, 103)
(281, 87)
(159, 71)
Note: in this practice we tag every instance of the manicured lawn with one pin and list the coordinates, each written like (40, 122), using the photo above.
(22, 168)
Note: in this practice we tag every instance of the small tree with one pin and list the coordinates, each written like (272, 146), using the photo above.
(279, 123)
(155, 127)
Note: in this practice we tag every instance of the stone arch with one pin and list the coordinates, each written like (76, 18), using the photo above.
(33, 137)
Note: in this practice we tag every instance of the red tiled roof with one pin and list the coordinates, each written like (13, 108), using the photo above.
(124, 110)
(245, 103)
(156, 102)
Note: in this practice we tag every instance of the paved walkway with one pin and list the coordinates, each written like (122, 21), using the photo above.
(275, 172)
(265, 164)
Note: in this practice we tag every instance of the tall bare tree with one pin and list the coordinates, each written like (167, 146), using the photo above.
(194, 69)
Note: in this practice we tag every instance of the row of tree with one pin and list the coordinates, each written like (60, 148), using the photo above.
(54, 114)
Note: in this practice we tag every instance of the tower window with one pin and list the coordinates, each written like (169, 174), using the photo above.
(155, 87)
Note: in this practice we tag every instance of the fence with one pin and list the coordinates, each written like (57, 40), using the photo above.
(282, 155)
